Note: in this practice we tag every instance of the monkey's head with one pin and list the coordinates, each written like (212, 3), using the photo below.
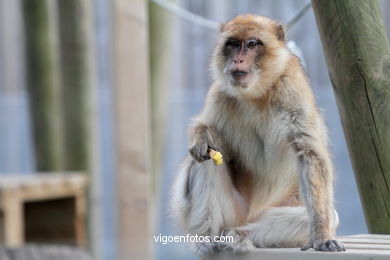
(250, 55)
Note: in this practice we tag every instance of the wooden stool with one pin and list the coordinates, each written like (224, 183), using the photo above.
(43, 208)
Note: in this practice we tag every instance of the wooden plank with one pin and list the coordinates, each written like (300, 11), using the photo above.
(131, 96)
(34, 187)
(366, 246)
(296, 254)
(44, 252)
(53, 193)
(371, 236)
(359, 249)
(12, 181)
(364, 240)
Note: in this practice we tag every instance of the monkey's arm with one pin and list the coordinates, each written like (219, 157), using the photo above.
(202, 132)
(316, 182)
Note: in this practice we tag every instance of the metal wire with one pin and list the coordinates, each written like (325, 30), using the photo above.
(183, 13)
(213, 25)
(298, 15)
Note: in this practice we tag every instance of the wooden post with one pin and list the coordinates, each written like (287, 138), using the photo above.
(13, 219)
(131, 96)
(358, 57)
(80, 106)
(76, 81)
(160, 28)
(80, 227)
(12, 76)
(43, 82)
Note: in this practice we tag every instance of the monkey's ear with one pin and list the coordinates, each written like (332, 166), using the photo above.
(280, 33)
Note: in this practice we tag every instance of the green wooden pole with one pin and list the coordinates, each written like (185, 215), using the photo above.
(358, 57)
(75, 80)
(80, 107)
(43, 83)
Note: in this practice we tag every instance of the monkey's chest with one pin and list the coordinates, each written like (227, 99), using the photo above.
(270, 166)
(265, 154)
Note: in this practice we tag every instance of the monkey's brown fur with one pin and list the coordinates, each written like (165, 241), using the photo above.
(260, 113)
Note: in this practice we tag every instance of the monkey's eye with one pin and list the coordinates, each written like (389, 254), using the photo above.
(253, 43)
(233, 43)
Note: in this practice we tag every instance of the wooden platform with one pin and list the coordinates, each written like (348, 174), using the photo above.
(43, 208)
(358, 247)
(43, 252)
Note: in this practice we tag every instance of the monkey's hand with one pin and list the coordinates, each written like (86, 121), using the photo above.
(201, 142)
(200, 150)
(331, 245)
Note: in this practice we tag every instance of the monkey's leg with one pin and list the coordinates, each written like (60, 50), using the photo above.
(279, 227)
(205, 201)
(317, 192)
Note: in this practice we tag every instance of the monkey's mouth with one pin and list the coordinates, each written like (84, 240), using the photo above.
(239, 75)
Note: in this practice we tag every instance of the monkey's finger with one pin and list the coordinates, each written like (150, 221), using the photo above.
(203, 151)
(306, 247)
(331, 245)
(205, 156)
(211, 146)
(340, 247)
(199, 152)
(328, 246)
(323, 247)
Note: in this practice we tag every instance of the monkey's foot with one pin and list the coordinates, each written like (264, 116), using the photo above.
(327, 246)
(235, 242)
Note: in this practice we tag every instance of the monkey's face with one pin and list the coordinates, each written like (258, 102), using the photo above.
(250, 54)
(242, 56)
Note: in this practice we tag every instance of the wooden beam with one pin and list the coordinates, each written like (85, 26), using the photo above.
(358, 56)
(131, 96)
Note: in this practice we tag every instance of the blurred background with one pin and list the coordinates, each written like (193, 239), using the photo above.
(64, 81)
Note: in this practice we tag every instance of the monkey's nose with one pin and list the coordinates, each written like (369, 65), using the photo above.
(238, 61)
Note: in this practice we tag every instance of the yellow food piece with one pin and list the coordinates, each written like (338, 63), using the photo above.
(216, 156)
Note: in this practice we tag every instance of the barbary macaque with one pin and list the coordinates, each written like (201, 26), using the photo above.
(274, 188)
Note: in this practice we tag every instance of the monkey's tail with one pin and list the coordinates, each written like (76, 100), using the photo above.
(280, 227)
